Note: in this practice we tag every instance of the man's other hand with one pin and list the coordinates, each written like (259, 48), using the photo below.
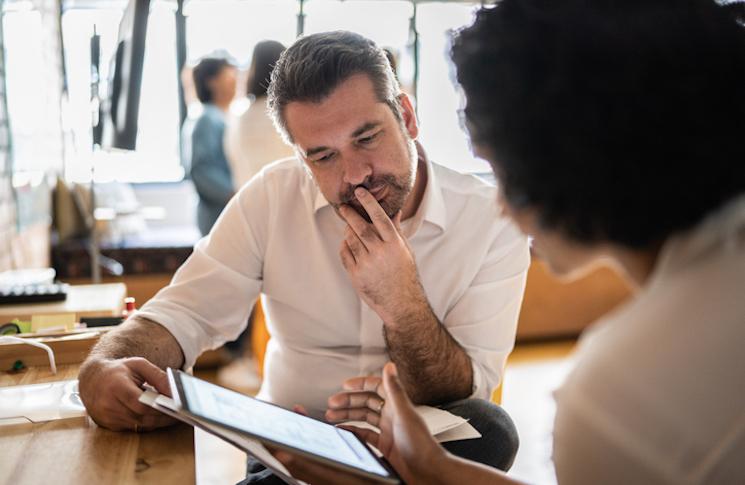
(110, 390)
(361, 399)
(379, 261)
(404, 440)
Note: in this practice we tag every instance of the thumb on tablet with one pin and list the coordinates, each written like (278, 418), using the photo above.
(300, 409)
(395, 391)
(150, 373)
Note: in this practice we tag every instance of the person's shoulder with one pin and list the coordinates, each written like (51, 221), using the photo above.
(284, 183)
(283, 168)
(465, 193)
(454, 182)
(285, 174)
(211, 116)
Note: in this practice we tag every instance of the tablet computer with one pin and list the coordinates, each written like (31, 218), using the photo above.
(278, 427)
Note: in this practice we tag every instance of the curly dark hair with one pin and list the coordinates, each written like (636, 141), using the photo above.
(616, 120)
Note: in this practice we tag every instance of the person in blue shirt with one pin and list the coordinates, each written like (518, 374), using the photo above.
(215, 83)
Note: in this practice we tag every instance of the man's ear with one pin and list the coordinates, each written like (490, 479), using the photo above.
(409, 115)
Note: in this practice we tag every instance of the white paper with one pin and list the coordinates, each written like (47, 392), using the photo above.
(37, 403)
(462, 432)
(443, 425)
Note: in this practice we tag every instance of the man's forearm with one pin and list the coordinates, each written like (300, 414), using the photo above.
(139, 337)
(433, 366)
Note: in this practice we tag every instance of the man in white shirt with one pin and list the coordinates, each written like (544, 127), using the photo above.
(364, 252)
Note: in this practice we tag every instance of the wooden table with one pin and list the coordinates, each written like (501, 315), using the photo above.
(77, 451)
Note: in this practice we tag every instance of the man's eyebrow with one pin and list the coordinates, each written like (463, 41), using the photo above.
(366, 127)
(314, 150)
(362, 129)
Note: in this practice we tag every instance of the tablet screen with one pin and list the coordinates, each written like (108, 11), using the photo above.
(276, 424)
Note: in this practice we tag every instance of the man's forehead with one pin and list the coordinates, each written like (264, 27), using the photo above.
(349, 106)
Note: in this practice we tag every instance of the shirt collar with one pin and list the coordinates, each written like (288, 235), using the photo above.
(431, 209)
(722, 230)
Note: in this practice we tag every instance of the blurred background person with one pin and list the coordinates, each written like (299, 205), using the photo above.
(215, 83)
(251, 140)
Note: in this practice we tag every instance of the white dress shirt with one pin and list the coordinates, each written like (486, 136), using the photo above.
(280, 237)
(657, 395)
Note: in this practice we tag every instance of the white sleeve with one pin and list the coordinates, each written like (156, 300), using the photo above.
(484, 319)
(589, 448)
(209, 300)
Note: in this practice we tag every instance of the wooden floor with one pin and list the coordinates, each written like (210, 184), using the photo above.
(533, 372)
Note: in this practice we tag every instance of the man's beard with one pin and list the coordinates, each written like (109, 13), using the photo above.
(398, 189)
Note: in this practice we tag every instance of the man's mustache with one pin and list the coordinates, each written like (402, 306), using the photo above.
(370, 185)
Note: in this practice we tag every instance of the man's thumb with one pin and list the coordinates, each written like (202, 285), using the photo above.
(152, 374)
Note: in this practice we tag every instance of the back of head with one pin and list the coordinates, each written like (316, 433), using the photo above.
(207, 69)
(265, 56)
(619, 121)
(311, 68)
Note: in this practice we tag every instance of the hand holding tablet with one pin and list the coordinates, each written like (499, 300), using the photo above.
(278, 428)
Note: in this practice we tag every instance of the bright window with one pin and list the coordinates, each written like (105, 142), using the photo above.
(33, 102)
(237, 26)
(439, 100)
(157, 154)
(234, 27)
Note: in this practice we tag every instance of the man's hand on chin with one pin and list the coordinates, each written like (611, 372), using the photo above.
(380, 262)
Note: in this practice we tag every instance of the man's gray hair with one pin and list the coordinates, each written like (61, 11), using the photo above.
(311, 68)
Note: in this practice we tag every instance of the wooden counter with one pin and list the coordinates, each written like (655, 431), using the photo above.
(106, 300)
(77, 451)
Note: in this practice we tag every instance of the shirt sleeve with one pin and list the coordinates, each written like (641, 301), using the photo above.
(209, 167)
(209, 300)
(484, 319)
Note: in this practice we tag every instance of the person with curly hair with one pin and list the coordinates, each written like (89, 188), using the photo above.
(616, 132)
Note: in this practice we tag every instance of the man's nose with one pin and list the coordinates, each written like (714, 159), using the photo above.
(356, 170)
